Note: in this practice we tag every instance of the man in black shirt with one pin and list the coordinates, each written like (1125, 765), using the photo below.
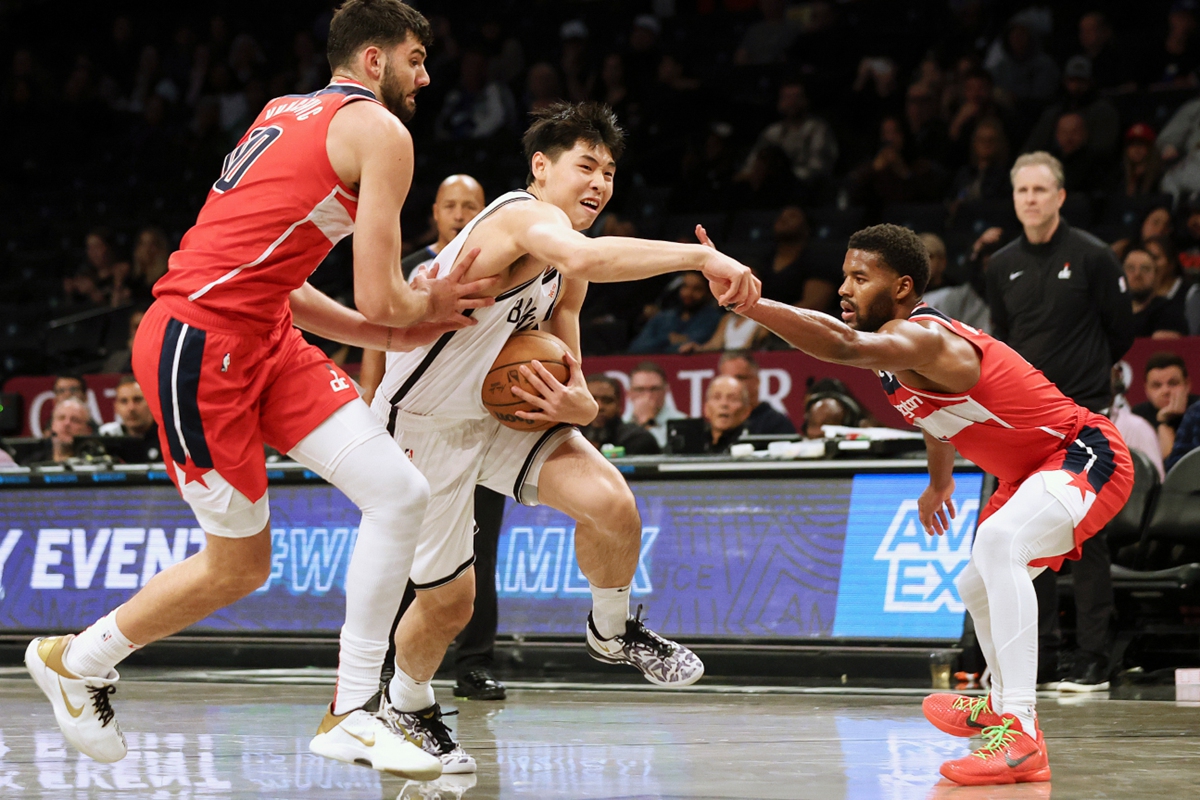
(1168, 395)
(763, 418)
(608, 428)
(726, 407)
(1058, 297)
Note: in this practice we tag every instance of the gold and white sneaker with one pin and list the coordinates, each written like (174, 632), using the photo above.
(361, 737)
(81, 705)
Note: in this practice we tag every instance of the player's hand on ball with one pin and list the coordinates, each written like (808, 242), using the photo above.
(733, 283)
(933, 506)
(449, 297)
(557, 402)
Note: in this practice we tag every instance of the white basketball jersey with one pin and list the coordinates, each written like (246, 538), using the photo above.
(445, 379)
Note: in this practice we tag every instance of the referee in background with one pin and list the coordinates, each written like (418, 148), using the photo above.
(1058, 297)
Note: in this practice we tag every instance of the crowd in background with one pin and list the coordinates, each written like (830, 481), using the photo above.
(781, 126)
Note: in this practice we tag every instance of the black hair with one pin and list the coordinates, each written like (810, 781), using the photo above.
(384, 23)
(1162, 360)
(899, 249)
(600, 377)
(556, 129)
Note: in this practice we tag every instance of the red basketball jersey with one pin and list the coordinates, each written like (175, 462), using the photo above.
(1009, 424)
(276, 211)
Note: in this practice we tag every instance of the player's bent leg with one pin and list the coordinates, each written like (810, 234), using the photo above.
(77, 673)
(963, 715)
(584, 485)
(435, 618)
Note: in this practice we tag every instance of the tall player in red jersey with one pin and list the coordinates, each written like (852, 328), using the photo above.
(224, 370)
(1064, 472)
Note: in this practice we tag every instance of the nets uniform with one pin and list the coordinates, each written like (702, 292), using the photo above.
(222, 367)
(1014, 423)
(430, 398)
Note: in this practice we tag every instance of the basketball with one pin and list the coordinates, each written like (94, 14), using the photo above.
(521, 348)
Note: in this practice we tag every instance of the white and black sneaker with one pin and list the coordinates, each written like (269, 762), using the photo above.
(362, 737)
(81, 704)
(426, 729)
(663, 662)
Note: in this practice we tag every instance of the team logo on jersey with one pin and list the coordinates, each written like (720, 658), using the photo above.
(1064, 274)
(338, 383)
(524, 314)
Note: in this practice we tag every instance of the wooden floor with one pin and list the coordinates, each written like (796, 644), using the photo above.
(245, 735)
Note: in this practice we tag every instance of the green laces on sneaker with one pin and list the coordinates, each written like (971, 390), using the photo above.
(975, 705)
(995, 737)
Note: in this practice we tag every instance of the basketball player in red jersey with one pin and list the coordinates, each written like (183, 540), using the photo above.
(1064, 472)
(224, 370)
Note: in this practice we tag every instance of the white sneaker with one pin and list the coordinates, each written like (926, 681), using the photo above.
(662, 661)
(427, 729)
(360, 737)
(81, 705)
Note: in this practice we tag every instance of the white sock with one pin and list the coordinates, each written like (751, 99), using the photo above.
(1027, 717)
(610, 609)
(359, 663)
(94, 653)
(409, 694)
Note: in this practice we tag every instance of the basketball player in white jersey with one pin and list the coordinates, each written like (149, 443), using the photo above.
(431, 400)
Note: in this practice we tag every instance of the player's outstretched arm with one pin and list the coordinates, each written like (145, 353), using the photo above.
(545, 232)
(898, 345)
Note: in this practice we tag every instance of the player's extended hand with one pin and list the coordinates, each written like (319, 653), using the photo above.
(732, 283)
(557, 402)
(422, 333)
(449, 297)
(933, 506)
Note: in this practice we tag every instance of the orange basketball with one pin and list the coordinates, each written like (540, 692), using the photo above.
(521, 348)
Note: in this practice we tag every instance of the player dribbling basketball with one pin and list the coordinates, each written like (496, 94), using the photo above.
(431, 400)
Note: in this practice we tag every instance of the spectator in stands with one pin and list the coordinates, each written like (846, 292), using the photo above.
(1189, 240)
(608, 427)
(1141, 170)
(806, 140)
(1057, 297)
(1173, 64)
(924, 129)
(896, 174)
(575, 63)
(1022, 70)
(978, 103)
(122, 360)
(1110, 63)
(1152, 315)
(648, 406)
(459, 198)
(767, 41)
(734, 332)
(1169, 281)
(1168, 395)
(1084, 170)
(985, 176)
(829, 402)
(68, 387)
(1188, 437)
(874, 94)
(694, 320)
(70, 419)
(791, 276)
(1079, 95)
(1179, 145)
(150, 255)
(726, 407)
(613, 90)
(103, 278)
(706, 170)
(1137, 432)
(477, 107)
(763, 418)
(133, 419)
(962, 303)
(542, 87)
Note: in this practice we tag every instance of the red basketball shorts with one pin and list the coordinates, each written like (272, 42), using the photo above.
(219, 395)
(1091, 475)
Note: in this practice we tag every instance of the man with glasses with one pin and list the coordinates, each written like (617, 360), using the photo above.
(648, 395)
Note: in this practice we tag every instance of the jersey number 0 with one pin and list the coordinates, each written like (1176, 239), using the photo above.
(244, 156)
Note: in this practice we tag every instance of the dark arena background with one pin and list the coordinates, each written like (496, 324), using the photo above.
(781, 538)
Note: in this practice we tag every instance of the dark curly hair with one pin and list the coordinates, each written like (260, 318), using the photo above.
(899, 249)
(556, 129)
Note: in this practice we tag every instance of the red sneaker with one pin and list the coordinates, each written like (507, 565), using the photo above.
(960, 715)
(1008, 755)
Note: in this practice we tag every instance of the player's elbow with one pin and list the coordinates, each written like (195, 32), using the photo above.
(373, 307)
(579, 263)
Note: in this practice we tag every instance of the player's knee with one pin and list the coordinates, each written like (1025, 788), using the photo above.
(613, 506)
(453, 605)
(232, 584)
(993, 548)
(406, 498)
